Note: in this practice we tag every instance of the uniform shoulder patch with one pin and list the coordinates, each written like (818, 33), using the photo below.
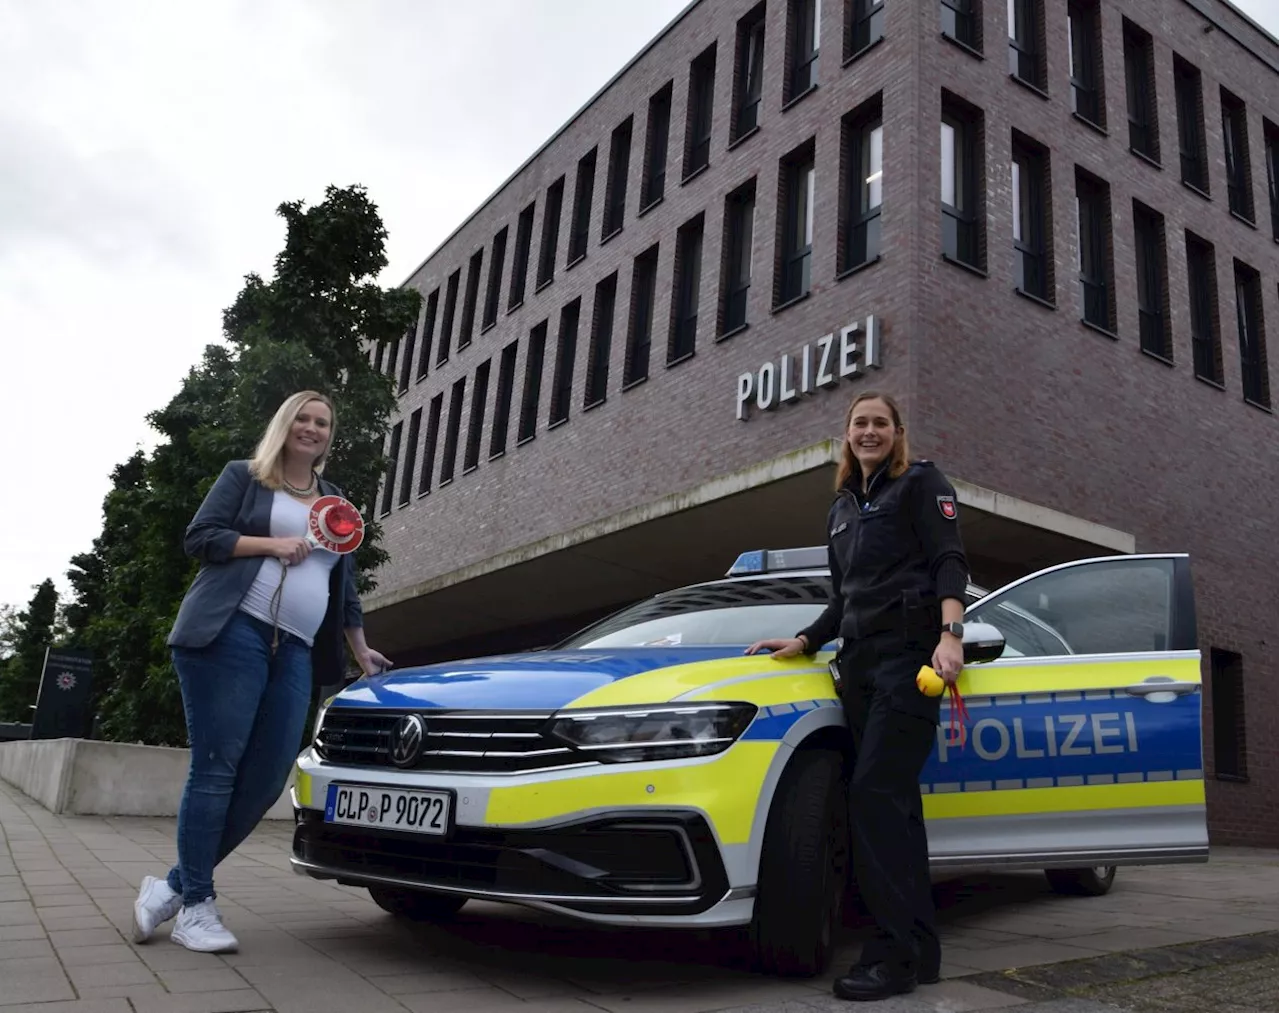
(947, 506)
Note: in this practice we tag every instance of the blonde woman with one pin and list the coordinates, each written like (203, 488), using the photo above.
(264, 617)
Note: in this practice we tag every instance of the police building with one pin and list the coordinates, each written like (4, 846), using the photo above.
(1047, 226)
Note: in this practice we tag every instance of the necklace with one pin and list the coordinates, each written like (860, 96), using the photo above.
(295, 491)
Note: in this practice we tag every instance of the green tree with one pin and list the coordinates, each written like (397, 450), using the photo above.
(31, 634)
(305, 328)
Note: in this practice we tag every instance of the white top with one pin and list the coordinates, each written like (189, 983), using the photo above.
(305, 595)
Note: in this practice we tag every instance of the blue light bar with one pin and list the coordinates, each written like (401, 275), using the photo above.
(772, 560)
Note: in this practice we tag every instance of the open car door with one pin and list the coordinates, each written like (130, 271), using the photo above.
(1084, 738)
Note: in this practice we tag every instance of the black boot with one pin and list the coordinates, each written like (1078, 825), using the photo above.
(866, 982)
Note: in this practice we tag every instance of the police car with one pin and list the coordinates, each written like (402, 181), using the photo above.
(647, 772)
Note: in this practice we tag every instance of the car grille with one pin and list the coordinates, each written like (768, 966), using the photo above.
(459, 741)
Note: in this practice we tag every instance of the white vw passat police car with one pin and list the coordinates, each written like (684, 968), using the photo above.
(646, 772)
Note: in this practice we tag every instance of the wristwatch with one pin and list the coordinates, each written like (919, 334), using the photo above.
(955, 629)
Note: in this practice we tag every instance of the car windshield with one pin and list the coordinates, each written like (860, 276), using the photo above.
(720, 613)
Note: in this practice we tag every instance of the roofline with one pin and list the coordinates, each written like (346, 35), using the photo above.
(1204, 9)
(552, 139)
(1251, 20)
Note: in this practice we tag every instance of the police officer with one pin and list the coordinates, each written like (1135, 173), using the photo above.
(898, 577)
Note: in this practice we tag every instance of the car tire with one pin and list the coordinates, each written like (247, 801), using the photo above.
(803, 868)
(1092, 882)
(417, 905)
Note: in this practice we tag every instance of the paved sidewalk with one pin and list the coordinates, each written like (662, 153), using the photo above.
(67, 885)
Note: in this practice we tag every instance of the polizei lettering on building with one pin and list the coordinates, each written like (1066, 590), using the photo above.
(843, 355)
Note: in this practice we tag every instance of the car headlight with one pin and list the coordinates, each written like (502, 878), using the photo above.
(666, 732)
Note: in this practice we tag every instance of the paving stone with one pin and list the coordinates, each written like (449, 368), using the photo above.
(25, 949)
(93, 975)
(17, 912)
(206, 979)
(69, 938)
(9, 933)
(91, 956)
(33, 980)
(81, 1005)
(210, 1002)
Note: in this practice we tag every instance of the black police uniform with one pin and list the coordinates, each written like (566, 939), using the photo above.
(895, 552)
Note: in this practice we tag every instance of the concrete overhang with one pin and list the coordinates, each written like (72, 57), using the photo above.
(688, 537)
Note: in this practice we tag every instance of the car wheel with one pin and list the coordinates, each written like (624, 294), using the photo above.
(803, 868)
(415, 904)
(1093, 882)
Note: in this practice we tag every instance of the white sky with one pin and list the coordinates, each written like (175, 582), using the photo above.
(145, 145)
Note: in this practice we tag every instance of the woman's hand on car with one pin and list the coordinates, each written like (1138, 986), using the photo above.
(786, 647)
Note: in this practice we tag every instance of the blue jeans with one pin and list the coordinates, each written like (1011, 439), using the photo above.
(245, 714)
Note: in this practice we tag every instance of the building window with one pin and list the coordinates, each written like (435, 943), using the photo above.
(393, 463)
(1202, 288)
(566, 353)
(430, 443)
(601, 341)
(502, 403)
(492, 291)
(866, 26)
(1155, 335)
(1027, 42)
(393, 353)
(1140, 91)
(687, 286)
(804, 28)
(469, 300)
(428, 332)
(451, 430)
(520, 262)
(1189, 99)
(446, 320)
(532, 384)
(376, 352)
(962, 182)
(1093, 217)
(615, 196)
(1253, 347)
(1230, 752)
(1235, 139)
(1084, 44)
(1032, 219)
(410, 457)
(644, 285)
(1271, 144)
(475, 426)
(795, 219)
(735, 286)
(748, 74)
(862, 189)
(962, 21)
(550, 234)
(406, 363)
(657, 131)
(702, 85)
(583, 191)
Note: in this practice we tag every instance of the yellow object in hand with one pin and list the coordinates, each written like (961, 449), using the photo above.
(929, 682)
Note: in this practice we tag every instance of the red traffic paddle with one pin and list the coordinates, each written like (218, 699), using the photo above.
(335, 524)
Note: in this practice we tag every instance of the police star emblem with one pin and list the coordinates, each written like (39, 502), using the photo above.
(947, 504)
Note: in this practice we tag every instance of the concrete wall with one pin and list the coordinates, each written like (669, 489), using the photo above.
(85, 778)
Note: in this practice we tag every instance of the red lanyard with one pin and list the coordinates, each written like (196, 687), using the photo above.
(959, 717)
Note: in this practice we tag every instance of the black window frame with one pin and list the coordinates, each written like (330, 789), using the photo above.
(603, 310)
(640, 317)
(961, 21)
(1027, 44)
(1254, 375)
(452, 430)
(701, 113)
(1271, 145)
(393, 465)
(1088, 80)
(865, 26)
(410, 457)
(428, 332)
(804, 35)
(1202, 297)
(1151, 266)
(686, 290)
(531, 391)
(520, 261)
(430, 444)
(1096, 267)
(393, 355)
(1229, 708)
(503, 399)
(470, 299)
(584, 187)
(1140, 90)
(615, 196)
(549, 245)
(445, 344)
(657, 144)
(748, 73)
(738, 252)
(1235, 150)
(1031, 186)
(963, 224)
(860, 241)
(561, 399)
(406, 365)
(493, 287)
(475, 420)
(1193, 148)
(793, 269)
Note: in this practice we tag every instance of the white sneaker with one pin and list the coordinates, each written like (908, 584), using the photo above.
(200, 928)
(156, 904)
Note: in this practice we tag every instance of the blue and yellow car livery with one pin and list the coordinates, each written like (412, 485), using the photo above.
(647, 772)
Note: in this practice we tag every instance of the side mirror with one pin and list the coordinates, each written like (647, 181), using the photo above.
(982, 643)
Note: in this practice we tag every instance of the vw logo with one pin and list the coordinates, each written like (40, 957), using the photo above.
(406, 740)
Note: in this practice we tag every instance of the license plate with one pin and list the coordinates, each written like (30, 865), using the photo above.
(418, 812)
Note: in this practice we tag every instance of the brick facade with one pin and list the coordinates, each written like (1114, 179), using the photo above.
(1004, 392)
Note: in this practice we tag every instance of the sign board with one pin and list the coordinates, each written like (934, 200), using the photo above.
(64, 701)
(847, 354)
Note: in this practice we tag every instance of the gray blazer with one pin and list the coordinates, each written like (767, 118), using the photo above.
(238, 504)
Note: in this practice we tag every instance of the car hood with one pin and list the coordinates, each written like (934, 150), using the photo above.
(544, 680)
